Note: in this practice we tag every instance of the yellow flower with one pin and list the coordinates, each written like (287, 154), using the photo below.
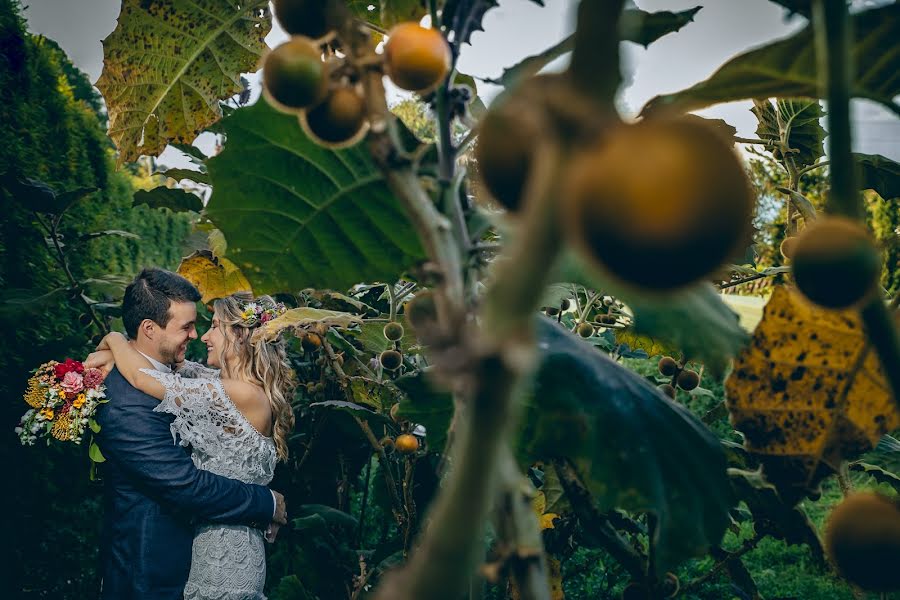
(35, 394)
(47, 413)
(61, 428)
(79, 400)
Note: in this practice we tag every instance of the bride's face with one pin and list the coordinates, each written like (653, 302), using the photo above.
(214, 339)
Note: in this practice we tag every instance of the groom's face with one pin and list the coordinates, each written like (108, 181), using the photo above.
(174, 338)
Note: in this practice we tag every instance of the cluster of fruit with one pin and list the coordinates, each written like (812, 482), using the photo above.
(683, 378)
(326, 93)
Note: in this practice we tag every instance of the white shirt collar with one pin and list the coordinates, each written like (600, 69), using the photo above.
(156, 364)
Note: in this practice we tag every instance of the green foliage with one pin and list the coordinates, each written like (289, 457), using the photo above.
(299, 215)
(787, 68)
(53, 133)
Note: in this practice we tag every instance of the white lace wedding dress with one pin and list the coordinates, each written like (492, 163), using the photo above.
(228, 562)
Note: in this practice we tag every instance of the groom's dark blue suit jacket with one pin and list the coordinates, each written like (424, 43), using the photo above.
(153, 494)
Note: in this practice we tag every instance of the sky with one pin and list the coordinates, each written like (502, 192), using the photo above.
(519, 28)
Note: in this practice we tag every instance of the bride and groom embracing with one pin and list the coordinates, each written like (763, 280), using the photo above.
(181, 524)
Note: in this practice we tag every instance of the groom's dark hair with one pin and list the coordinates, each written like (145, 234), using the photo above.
(150, 295)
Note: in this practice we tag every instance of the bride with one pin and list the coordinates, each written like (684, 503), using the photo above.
(236, 421)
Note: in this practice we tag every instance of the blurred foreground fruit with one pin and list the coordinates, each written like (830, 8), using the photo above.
(862, 538)
(788, 246)
(835, 263)
(416, 58)
(406, 443)
(585, 330)
(302, 17)
(659, 204)
(338, 121)
(294, 75)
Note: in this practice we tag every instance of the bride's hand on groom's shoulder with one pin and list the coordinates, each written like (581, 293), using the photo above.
(101, 359)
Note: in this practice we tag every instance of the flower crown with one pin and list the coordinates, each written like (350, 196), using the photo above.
(254, 313)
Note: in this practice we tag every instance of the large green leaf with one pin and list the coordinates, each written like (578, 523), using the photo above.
(878, 173)
(169, 62)
(787, 68)
(41, 197)
(797, 121)
(298, 215)
(694, 319)
(638, 26)
(634, 448)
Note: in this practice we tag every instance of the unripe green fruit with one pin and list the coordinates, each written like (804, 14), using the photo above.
(390, 360)
(585, 330)
(608, 319)
(564, 304)
(688, 380)
(393, 331)
(85, 319)
(551, 311)
(387, 444)
(835, 263)
(862, 539)
(302, 17)
(667, 389)
(667, 366)
(294, 75)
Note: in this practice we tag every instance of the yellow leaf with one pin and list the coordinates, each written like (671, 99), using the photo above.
(808, 392)
(214, 277)
(546, 520)
(651, 346)
(555, 579)
(298, 317)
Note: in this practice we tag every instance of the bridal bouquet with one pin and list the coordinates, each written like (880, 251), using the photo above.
(63, 398)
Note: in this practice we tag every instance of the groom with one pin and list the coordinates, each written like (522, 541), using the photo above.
(153, 491)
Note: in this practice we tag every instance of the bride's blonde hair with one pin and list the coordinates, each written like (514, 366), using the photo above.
(263, 362)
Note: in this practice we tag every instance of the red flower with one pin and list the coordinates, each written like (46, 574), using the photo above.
(68, 366)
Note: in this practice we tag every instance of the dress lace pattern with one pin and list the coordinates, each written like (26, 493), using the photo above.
(228, 562)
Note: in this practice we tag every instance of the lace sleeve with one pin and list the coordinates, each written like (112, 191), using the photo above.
(197, 371)
(202, 410)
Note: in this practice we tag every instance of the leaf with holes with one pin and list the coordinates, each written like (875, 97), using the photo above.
(298, 215)
(797, 121)
(808, 392)
(168, 63)
(214, 277)
(787, 68)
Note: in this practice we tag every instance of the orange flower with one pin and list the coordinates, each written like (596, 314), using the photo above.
(47, 413)
(79, 400)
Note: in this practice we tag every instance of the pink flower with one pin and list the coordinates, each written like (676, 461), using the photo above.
(73, 382)
(93, 378)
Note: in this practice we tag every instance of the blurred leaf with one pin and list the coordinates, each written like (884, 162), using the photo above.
(772, 515)
(168, 63)
(175, 199)
(428, 406)
(214, 277)
(808, 392)
(787, 68)
(637, 26)
(299, 215)
(649, 345)
(298, 317)
(694, 319)
(633, 447)
(40, 197)
(878, 173)
(796, 120)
